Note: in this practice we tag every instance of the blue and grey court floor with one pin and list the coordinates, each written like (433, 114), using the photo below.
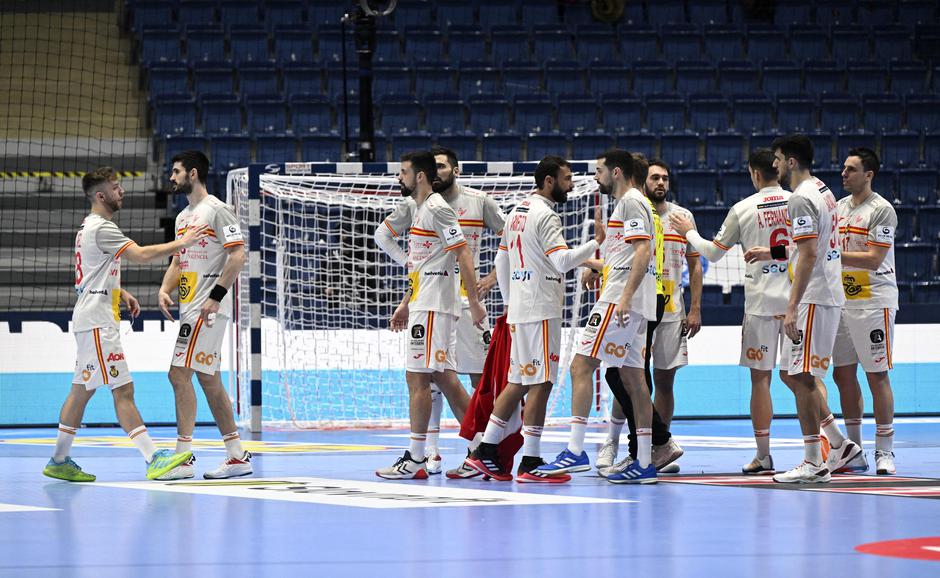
(315, 508)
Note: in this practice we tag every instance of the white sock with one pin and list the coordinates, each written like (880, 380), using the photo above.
(812, 450)
(831, 428)
(853, 427)
(434, 424)
(614, 428)
(644, 446)
(576, 439)
(494, 430)
(762, 437)
(142, 440)
(884, 437)
(532, 444)
(63, 443)
(233, 445)
(477, 438)
(184, 444)
(418, 441)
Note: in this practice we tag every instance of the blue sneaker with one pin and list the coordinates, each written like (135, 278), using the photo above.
(634, 474)
(163, 461)
(566, 463)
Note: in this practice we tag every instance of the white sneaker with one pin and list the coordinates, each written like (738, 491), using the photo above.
(666, 453)
(856, 465)
(805, 473)
(884, 463)
(618, 468)
(607, 455)
(231, 468)
(841, 456)
(672, 468)
(183, 471)
(760, 466)
(404, 469)
(434, 463)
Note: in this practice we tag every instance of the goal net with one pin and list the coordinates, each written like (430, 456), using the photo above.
(315, 302)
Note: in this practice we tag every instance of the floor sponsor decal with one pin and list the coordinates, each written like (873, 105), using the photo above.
(841, 484)
(913, 548)
(356, 493)
(255, 447)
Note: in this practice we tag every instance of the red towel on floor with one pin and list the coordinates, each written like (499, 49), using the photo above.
(492, 382)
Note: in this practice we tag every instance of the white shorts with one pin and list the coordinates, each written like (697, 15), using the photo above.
(818, 325)
(670, 346)
(865, 336)
(472, 344)
(534, 352)
(602, 338)
(762, 337)
(198, 346)
(100, 359)
(432, 341)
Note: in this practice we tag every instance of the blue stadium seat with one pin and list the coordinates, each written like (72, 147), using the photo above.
(621, 114)
(681, 43)
(794, 12)
(249, 46)
(412, 15)
(468, 44)
(724, 151)
(293, 47)
(809, 43)
(174, 144)
(928, 223)
(893, 45)
(736, 77)
(882, 113)
(321, 148)
(915, 261)
(823, 77)
(665, 113)
(835, 12)
(735, 185)
(708, 12)
(876, 13)
(641, 143)
(213, 78)
(266, 115)
(521, 78)
(311, 114)
(330, 43)
(922, 292)
(885, 182)
(347, 114)
(402, 144)
(230, 152)
(165, 78)
(695, 188)
(680, 150)
(436, 78)
(391, 78)
(752, 114)
(256, 78)
(456, 12)
(851, 44)
(639, 44)
(205, 11)
(912, 12)
(932, 150)
(577, 114)
(781, 78)
(426, 47)
(633, 14)
(488, 114)
(445, 115)
(708, 113)
(301, 79)
(239, 12)
(922, 113)
(174, 114)
(204, 45)
(761, 140)
(652, 77)
(502, 147)
(538, 13)
(900, 149)
(796, 113)
(334, 81)
(587, 146)
(464, 145)
(608, 79)
(917, 186)
(564, 77)
(866, 78)
(551, 44)
(708, 220)
(837, 113)
(854, 139)
(498, 13)
(221, 115)
(766, 44)
(479, 79)
(723, 43)
(160, 45)
(822, 154)
(154, 14)
(833, 179)
(693, 77)
(666, 12)
(907, 218)
(533, 113)
(595, 45)
(401, 114)
(508, 43)
(539, 145)
(908, 77)
(275, 149)
(283, 13)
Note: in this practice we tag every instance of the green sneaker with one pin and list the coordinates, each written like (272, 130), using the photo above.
(164, 461)
(67, 470)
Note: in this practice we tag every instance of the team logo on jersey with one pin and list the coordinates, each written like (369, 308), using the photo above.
(877, 336)
(595, 320)
(187, 287)
(487, 337)
(799, 337)
(185, 330)
(115, 357)
(113, 371)
(417, 332)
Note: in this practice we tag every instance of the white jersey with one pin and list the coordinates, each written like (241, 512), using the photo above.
(98, 247)
(870, 223)
(201, 264)
(631, 220)
(760, 220)
(812, 211)
(432, 238)
(676, 250)
(536, 288)
(475, 210)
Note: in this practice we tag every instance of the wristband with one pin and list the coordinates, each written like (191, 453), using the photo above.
(778, 252)
(218, 293)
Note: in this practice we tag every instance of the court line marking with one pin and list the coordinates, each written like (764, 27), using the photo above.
(9, 508)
